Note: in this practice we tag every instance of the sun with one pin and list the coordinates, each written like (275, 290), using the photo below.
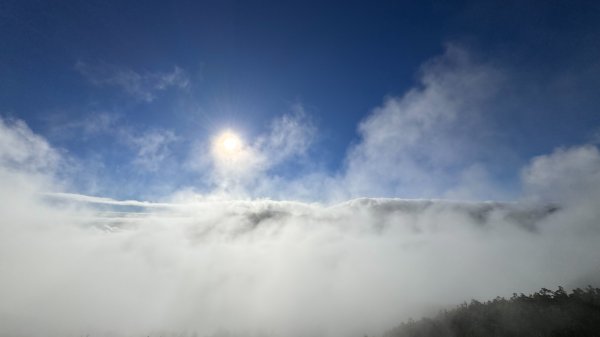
(228, 145)
(231, 143)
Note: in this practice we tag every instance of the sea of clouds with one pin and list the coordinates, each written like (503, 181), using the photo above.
(213, 265)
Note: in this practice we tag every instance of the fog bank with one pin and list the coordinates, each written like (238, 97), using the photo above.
(75, 265)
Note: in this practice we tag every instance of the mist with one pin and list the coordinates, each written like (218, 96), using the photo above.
(76, 265)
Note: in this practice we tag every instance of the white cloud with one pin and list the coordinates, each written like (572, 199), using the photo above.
(92, 125)
(285, 267)
(79, 198)
(565, 175)
(289, 136)
(417, 144)
(143, 86)
(152, 147)
(23, 150)
(287, 139)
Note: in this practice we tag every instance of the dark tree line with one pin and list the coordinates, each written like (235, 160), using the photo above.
(544, 313)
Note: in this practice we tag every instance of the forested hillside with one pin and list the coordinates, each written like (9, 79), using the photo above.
(544, 313)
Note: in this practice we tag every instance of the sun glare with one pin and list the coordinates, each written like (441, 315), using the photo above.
(228, 144)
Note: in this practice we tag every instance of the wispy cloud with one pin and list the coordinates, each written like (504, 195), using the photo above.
(80, 198)
(566, 174)
(421, 143)
(287, 139)
(24, 150)
(143, 86)
(151, 147)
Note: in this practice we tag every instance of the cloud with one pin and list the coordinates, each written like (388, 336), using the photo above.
(289, 136)
(418, 144)
(274, 267)
(79, 198)
(91, 125)
(142, 86)
(152, 147)
(567, 174)
(21, 149)
(250, 171)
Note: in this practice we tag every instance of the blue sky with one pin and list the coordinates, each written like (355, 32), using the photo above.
(331, 100)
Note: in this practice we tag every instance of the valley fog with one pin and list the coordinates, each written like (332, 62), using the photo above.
(76, 266)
